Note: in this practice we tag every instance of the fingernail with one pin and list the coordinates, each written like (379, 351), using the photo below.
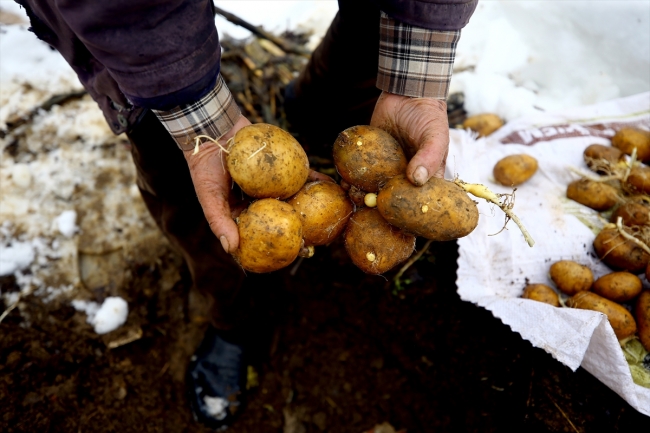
(224, 243)
(421, 175)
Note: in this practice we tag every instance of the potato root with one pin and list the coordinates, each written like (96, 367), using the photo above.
(514, 170)
(324, 209)
(571, 277)
(541, 293)
(620, 253)
(627, 139)
(595, 195)
(366, 157)
(438, 210)
(267, 162)
(374, 245)
(621, 320)
(270, 236)
(618, 286)
(642, 315)
(483, 124)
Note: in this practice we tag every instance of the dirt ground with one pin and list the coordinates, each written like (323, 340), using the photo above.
(346, 354)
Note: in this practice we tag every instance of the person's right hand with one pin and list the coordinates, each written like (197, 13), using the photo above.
(213, 187)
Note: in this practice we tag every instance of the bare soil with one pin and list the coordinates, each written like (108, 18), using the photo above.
(346, 354)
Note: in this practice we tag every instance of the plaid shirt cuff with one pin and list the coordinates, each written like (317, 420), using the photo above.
(414, 61)
(212, 115)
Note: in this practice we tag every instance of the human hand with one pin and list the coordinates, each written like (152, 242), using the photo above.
(213, 186)
(420, 126)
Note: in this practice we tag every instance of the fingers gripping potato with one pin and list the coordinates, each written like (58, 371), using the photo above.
(541, 293)
(621, 320)
(618, 286)
(438, 210)
(267, 162)
(374, 245)
(366, 157)
(514, 170)
(324, 210)
(571, 277)
(270, 236)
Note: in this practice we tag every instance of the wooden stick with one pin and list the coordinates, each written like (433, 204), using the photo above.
(259, 31)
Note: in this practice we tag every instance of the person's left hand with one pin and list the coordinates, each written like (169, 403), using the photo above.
(420, 125)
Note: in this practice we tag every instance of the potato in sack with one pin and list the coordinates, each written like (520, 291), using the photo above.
(541, 293)
(267, 162)
(373, 244)
(595, 195)
(628, 139)
(618, 286)
(642, 315)
(514, 170)
(366, 157)
(270, 236)
(438, 210)
(619, 252)
(324, 209)
(483, 124)
(571, 277)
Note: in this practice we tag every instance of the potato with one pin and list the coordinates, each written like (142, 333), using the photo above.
(632, 214)
(439, 210)
(324, 210)
(626, 139)
(374, 245)
(357, 196)
(620, 319)
(639, 179)
(618, 286)
(596, 195)
(541, 293)
(571, 277)
(514, 170)
(601, 158)
(642, 315)
(620, 253)
(485, 124)
(367, 157)
(267, 162)
(270, 236)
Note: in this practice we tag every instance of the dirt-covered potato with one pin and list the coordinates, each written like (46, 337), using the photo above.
(439, 210)
(484, 124)
(367, 157)
(514, 170)
(618, 286)
(642, 315)
(620, 319)
(632, 214)
(374, 245)
(267, 162)
(596, 195)
(620, 253)
(601, 158)
(541, 293)
(270, 236)
(324, 209)
(626, 139)
(357, 196)
(639, 179)
(571, 277)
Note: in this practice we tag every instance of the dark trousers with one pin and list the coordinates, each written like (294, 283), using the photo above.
(335, 91)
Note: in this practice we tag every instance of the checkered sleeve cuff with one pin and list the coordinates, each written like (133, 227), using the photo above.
(414, 61)
(212, 115)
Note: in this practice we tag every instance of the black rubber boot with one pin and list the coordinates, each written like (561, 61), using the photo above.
(216, 379)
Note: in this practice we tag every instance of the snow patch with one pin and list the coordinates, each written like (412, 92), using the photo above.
(105, 318)
(216, 407)
(66, 223)
(15, 257)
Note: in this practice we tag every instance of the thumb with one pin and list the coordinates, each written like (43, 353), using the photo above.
(430, 159)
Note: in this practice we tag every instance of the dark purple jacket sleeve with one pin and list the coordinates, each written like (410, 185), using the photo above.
(430, 14)
(162, 53)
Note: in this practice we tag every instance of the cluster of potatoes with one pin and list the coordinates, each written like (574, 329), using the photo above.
(607, 294)
(620, 190)
(381, 212)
